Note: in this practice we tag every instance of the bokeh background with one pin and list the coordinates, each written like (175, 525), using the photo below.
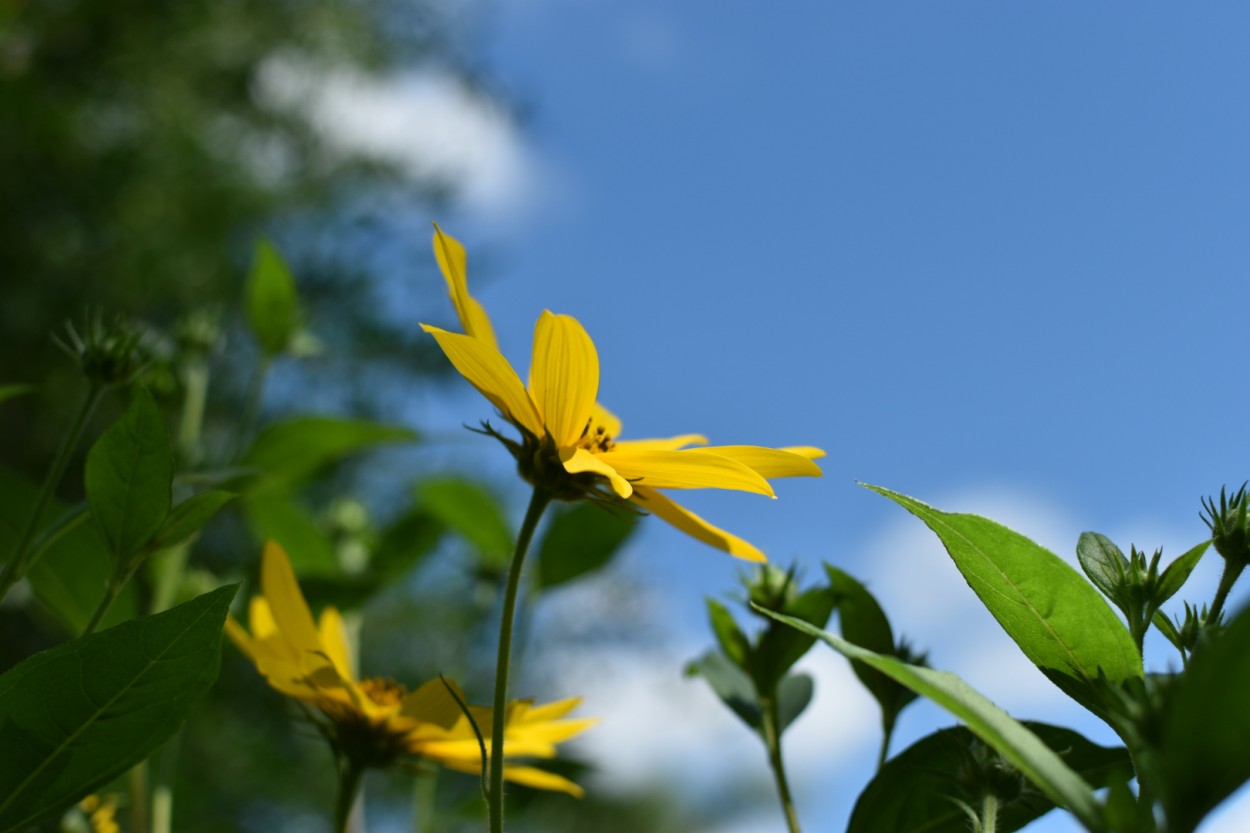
(992, 256)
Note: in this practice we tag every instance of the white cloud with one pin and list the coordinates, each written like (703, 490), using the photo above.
(429, 123)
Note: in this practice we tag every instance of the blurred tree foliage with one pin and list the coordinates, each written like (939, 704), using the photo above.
(139, 162)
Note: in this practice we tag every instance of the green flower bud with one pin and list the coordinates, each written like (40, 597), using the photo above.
(108, 355)
(1228, 526)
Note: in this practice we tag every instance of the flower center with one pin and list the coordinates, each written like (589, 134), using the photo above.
(595, 438)
(383, 691)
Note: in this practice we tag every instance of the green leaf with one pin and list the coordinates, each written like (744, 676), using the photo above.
(1105, 564)
(793, 695)
(1203, 756)
(1060, 622)
(129, 475)
(915, 791)
(282, 519)
(779, 648)
(287, 454)
(731, 685)
(580, 540)
(9, 391)
(864, 623)
(188, 517)
(76, 716)
(1007, 736)
(473, 513)
(272, 302)
(70, 577)
(404, 543)
(1165, 626)
(1177, 573)
(733, 642)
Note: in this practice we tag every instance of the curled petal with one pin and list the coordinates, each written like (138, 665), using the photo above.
(694, 526)
(693, 469)
(489, 372)
(564, 376)
(768, 462)
(579, 460)
(453, 264)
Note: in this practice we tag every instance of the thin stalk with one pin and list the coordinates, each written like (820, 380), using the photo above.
(426, 789)
(19, 562)
(350, 776)
(989, 814)
(772, 740)
(887, 732)
(538, 503)
(1227, 579)
(138, 777)
(111, 592)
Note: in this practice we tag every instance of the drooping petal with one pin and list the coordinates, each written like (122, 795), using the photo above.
(542, 780)
(579, 460)
(489, 372)
(662, 443)
(692, 469)
(564, 376)
(768, 462)
(694, 526)
(334, 641)
(286, 602)
(453, 264)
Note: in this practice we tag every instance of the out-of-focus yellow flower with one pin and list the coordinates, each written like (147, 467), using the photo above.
(570, 444)
(101, 813)
(375, 721)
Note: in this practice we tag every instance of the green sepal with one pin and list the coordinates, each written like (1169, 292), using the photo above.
(75, 717)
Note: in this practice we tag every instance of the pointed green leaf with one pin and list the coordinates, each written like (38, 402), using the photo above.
(272, 302)
(129, 475)
(70, 577)
(580, 540)
(1104, 563)
(779, 648)
(76, 716)
(289, 453)
(1177, 573)
(863, 622)
(472, 512)
(733, 642)
(1060, 622)
(793, 695)
(1203, 755)
(1007, 736)
(188, 517)
(1165, 626)
(731, 685)
(915, 792)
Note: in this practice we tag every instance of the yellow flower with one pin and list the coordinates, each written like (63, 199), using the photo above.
(102, 814)
(570, 443)
(376, 721)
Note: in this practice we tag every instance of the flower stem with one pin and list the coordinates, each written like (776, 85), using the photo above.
(1227, 579)
(350, 776)
(772, 739)
(16, 566)
(538, 503)
(989, 814)
(111, 593)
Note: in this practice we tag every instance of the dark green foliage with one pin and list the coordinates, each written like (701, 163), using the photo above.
(74, 717)
(578, 541)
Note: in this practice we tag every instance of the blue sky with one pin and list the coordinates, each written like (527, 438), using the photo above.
(992, 255)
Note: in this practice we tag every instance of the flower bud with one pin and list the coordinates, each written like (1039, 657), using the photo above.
(1227, 523)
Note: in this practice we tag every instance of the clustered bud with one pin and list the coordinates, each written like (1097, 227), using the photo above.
(108, 355)
(1228, 526)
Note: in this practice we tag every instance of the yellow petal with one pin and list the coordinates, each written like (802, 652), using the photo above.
(662, 444)
(286, 602)
(579, 460)
(564, 376)
(694, 526)
(490, 373)
(692, 469)
(768, 462)
(334, 641)
(260, 618)
(240, 638)
(433, 703)
(552, 711)
(811, 452)
(453, 264)
(541, 780)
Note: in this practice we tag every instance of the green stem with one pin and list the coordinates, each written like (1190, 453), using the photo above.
(139, 797)
(17, 565)
(350, 776)
(1227, 579)
(772, 739)
(989, 814)
(887, 727)
(538, 503)
(426, 793)
(111, 592)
